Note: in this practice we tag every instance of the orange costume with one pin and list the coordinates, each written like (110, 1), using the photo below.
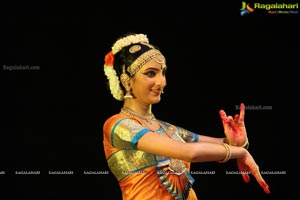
(144, 176)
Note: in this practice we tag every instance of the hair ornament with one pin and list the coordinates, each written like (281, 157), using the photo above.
(111, 74)
(128, 40)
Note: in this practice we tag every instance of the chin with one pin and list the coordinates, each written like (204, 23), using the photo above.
(156, 100)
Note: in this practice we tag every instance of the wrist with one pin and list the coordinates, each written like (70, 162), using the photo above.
(225, 140)
(244, 145)
(228, 153)
(238, 152)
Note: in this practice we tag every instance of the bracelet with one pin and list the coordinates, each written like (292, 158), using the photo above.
(228, 153)
(246, 144)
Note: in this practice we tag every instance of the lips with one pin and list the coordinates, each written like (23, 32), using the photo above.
(156, 91)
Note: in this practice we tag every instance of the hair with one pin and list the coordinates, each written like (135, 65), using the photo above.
(125, 58)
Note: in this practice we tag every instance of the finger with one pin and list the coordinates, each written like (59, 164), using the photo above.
(265, 187)
(230, 119)
(246, 177)
(261, 181)
(263, 184)
(236, 118)
(242, 111)
(223, 115)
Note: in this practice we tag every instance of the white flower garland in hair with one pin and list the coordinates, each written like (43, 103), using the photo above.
(114, 83)
(126, 41)
(111, 74)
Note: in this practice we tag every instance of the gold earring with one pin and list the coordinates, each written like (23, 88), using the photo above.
(125, 80)
(128, 94)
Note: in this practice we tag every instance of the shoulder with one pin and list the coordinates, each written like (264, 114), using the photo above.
(112, 119)
(120, 120)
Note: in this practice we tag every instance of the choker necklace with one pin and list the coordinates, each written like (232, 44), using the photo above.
(150, 118)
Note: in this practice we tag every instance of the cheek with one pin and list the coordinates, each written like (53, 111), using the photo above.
(143, 84)
(149, 84)
(142, 87)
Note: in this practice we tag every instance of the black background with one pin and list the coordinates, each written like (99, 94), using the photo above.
(51, 118)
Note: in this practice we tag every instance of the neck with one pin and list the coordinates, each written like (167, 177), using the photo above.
(148, 119)
(138, 108)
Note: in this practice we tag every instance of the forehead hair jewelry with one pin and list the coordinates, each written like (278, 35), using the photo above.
(144, 58)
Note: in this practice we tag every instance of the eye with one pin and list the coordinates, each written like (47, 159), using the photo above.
(150, 74)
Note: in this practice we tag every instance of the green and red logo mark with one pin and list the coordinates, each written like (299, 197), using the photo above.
(269, 8)
(246, 9)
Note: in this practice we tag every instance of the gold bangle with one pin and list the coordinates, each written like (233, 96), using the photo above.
(228, 153)
(246, 144)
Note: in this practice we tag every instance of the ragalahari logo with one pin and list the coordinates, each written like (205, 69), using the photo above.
(246, 9)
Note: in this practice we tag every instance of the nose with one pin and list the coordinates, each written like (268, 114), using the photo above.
(161, 80)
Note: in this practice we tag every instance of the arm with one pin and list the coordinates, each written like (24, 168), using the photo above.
(192, 152)
(204, 138)
(201, 152)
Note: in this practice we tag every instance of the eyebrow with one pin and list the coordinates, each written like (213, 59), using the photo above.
(152, 68)
(156, 69)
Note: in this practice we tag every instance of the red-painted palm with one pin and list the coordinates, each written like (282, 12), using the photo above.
(234, 128)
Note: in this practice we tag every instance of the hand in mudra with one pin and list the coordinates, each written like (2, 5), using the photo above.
(234, 128)
(247, 164)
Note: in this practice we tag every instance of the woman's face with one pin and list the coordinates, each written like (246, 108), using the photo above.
(148, 83)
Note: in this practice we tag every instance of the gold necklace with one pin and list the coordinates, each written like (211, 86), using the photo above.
(175, 166)
(150, 118)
